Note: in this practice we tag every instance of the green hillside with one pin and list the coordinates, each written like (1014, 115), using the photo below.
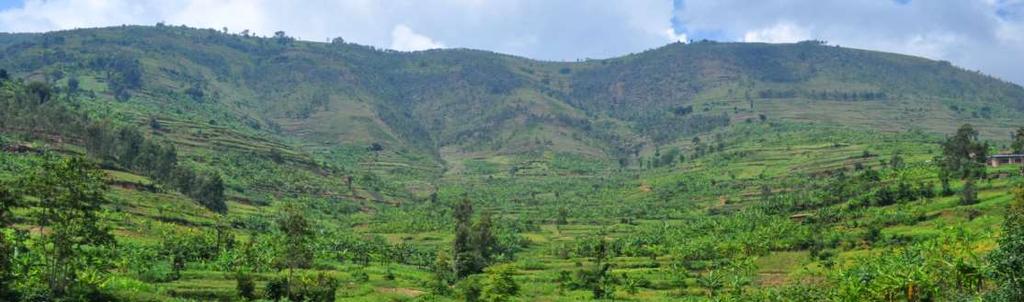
(703, 171)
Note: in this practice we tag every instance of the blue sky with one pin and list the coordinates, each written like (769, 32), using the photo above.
(985, 35)
(5, 4)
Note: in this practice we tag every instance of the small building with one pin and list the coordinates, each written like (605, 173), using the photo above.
(1004, 159)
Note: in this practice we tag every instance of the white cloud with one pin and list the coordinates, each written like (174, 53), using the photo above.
(404, 39)
(674, 36)
(985, 35)
(783, 32)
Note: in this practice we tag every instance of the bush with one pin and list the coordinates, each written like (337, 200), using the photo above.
(500, 286)
(321, 288)
(469, 289)
(158, 271)
(1007, 263)
(318, 288)
(277, 288)
(361, 276)
(245, 287)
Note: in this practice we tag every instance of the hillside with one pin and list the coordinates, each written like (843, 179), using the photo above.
(717, 171)
(440, 107)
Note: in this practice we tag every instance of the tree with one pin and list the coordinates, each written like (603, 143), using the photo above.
(712, 282)
(41, 91)
(211, 193)
(500, 286)
(154, 123)
(73, 85)
(8, 201)
(947, 190)
(442, 270)
(969, 195)
(464, 254)
(69, 192)
(282, 38)
(297, 238)
(376, 148)
(245, 286)
(563, 216)
(896, 162)
(483, 240)
(1008, 259)
(1018, 141)
(597, 278)
(963, 156)
(469, 289)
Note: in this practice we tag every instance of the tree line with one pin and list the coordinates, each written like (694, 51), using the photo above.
(40, 110)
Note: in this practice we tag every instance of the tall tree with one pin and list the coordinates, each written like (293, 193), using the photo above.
(443, 276)
(463, 253)
(963, 156)
(297, 238)
(598, 278)
(211, 193)
(1018, 141)
(483, 239)
(969, 194)
(69, 192)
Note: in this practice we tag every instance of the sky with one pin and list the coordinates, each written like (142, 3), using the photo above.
(984, 35)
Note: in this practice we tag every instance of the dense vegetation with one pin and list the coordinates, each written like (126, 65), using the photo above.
(168, 163)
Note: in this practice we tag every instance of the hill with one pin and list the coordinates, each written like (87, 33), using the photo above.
(770, 172)
(440, 107)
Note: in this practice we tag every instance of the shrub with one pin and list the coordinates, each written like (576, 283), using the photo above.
(500, 286)
(245, 287)
(318, 288)
(360, 276)
(469, 289)
(1007, 263)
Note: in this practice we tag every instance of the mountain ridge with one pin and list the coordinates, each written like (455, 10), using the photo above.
(476, 103)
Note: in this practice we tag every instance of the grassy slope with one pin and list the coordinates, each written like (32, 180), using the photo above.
(475, 103)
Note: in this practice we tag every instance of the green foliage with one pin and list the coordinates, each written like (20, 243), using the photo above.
(275, 122)
(969, 194)
(963, 156)
(443, 276)
(28, 109)
(469, 289)
(63, 198)
(296, 236)
(597, 277)
(69, 194)
(500, 286)
(1008, 259)
(467, 259)
(308, 287)
(245, 286)
(945, 266)
(7, 246)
